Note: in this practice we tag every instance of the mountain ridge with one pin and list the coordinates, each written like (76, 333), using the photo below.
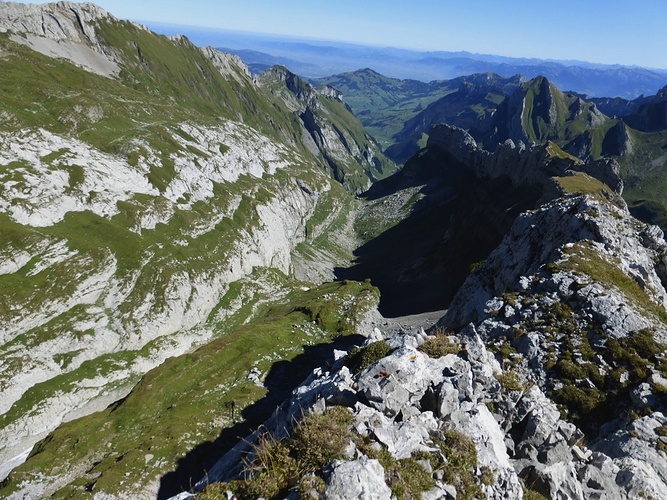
(493, 109)
(176, 238)
(588, 78)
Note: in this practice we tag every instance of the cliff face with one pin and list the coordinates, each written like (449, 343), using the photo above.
(99, 300)
(62, 29)
(142, 180)
(330, 130)
(650, 116)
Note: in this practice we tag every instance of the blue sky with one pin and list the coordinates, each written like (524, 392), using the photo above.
(629, 32)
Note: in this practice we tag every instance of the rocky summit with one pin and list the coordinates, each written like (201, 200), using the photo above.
(216, 285)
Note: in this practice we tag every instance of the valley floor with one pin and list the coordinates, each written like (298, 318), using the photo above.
(411, 323)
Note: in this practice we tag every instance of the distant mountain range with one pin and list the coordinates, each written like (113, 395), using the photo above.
(313, 59)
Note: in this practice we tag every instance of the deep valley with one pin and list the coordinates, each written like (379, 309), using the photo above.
(219, 284)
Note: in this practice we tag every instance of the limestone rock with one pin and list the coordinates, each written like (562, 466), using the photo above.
(228, 64)
(359, 479)
(401, 380)
(61, 29)
(542, 285)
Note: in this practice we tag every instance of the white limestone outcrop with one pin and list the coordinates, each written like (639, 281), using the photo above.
(42, 190)
(61, 30)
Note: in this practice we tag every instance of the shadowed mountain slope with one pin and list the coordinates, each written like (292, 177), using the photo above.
(456, 202)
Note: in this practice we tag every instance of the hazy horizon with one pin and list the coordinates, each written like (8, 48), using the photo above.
(610, 32)
(205, 36)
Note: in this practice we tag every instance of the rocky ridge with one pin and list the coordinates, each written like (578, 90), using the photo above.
(650, 116)
(498, 374)
(579, 282)
(522, 164)
(343, 150)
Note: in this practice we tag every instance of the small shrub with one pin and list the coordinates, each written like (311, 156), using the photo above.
(407, 478)
(587, 351)
(519, 331)
(320, 439)
(311, 487)
(529, 494)
(569, 370)
(660, 446)
(585, 406)
(661, 431)
(215, 491)
(509, 381)
(439, 346)
(476, 266)
(459, 464)
(276, 466)
(645, 344)
(510, 298)
(562, 311)
(361, 358)
(505, 351)
(271, 471)
(486, 476)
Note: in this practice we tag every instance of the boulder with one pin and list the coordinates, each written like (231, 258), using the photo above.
(360, 479)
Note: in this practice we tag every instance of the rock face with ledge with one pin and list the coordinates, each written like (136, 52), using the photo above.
(62, 29)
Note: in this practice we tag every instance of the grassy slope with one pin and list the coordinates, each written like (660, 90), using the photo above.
(160, 87)
(384, 104)
(166, 88)
(188, 402)
(167, 84)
